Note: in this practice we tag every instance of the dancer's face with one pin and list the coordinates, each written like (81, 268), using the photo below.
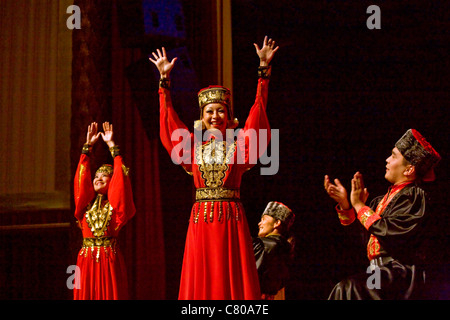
(397, 168)
(266, 225)
(215, 116)
(101, 182)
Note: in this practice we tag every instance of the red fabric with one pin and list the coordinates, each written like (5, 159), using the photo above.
(346, 217)
(427, 146)
(218, 260)
(102, 269)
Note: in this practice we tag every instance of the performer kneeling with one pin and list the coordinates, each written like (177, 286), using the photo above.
(273, 250)
(395, 223)
(102, 208)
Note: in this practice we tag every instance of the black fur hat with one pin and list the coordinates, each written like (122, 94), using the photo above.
(417, 151)
(281, 212)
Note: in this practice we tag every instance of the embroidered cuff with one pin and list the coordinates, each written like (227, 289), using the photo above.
(367, 217)
(346, 216)
(114, 151)
(165, 83)
(264, 72)
(86, 149)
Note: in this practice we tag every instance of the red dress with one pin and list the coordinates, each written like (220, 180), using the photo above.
(102, 269)
(219, 262)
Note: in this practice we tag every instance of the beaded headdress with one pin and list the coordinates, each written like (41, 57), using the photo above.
(216, 94)
(105, 168)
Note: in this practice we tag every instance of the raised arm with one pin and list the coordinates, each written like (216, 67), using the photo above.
(162, 63)
(172, 129)
(266, 52)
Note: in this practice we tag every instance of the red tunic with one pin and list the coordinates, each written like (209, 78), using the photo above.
(100, 262)
(218, 261)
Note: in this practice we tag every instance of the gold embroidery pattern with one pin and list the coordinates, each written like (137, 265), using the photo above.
(365, 214)
(373, 247)
(216, 194)
(80, 175)
(95, 245)
(213, 158)
(125, 170)
(98, 216)
(207, 209)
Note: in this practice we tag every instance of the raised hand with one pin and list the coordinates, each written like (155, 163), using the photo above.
(267, 51)
(108, 133)
(162, 63)
(92, 134)
(337, 192)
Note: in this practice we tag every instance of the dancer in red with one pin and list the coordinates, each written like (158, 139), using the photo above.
(218, 259)
(102, 208)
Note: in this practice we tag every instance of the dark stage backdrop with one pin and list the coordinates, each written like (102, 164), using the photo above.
(341, 95)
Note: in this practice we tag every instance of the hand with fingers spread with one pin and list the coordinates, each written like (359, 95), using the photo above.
(358, 194)
(337, 192)
(92, 134)
(267, 51)
(108, 133)
(162, 63)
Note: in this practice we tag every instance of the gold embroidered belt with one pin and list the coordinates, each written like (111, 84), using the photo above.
(217, 194)
(99, 242)
(96, 244)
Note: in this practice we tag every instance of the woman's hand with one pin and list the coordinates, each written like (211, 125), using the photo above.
(108, 133)
(92, 134)
(359, 194)
(267, 51)
(162, 63)
(337, 192)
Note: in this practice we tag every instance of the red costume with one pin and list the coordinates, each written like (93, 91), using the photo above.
(102, 269)
(218, 262)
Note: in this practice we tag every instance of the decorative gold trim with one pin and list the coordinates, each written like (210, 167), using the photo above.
(217, 194)
(208, 212)
(98, 216)
(115, 150)
(95, 244)
(80, 175)
(99, 242)
(213, 158)
(125, 170)
(214, 94)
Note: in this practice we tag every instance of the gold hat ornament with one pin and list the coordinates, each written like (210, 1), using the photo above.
(215, 94)
(106, 168)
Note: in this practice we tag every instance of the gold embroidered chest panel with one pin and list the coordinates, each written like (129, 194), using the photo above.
(213, 159)
(98, 216)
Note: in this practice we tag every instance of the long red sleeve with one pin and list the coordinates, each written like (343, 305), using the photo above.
(171, 125)
(120, 194)
(83, 187)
